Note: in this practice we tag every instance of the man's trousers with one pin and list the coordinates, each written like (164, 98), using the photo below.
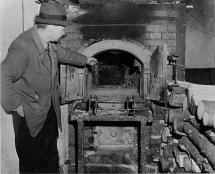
(37, 154)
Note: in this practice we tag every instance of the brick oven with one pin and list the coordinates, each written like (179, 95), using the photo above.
(111, 113)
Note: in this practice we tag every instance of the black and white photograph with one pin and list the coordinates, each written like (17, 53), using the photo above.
(107, 86)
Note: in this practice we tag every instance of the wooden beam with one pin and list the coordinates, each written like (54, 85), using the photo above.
(209, 133)
(202, 162)
(204, 145)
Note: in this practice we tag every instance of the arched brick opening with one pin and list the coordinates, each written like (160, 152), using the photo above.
(142, 54)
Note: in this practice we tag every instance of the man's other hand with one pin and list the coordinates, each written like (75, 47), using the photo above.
(91, 61)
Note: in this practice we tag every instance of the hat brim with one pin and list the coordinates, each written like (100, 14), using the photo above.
(39, 20)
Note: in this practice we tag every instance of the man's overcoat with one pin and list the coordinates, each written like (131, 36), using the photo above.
(30, 78)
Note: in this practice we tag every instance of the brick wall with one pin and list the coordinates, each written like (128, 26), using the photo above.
(157, 34)
(150, 25)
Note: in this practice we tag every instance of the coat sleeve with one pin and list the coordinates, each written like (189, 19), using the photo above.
(12, 68)
(67, 56)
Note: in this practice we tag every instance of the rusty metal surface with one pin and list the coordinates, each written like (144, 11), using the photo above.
(158, 74)
(81, 122)
(108, 118)
(71, 79)
(110, 137)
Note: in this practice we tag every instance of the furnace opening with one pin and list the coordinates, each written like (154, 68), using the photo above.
(122, 70)
(116, 69)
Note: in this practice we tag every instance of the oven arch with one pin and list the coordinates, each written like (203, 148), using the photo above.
(136, 49)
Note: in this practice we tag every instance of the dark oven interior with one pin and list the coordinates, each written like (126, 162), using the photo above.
(117, 73)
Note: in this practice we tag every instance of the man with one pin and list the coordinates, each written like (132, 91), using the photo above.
(30, 88)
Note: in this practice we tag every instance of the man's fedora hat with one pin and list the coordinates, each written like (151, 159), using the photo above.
(52, 13)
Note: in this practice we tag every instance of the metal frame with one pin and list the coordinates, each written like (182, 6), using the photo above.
(140, 121)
